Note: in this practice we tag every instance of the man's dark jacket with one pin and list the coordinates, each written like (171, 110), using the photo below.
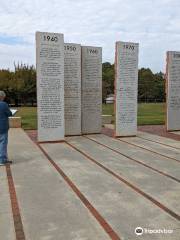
(4, 114)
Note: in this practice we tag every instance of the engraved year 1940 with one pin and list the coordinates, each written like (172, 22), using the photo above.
(130, 47)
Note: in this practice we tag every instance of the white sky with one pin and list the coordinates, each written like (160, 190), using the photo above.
(155, 24)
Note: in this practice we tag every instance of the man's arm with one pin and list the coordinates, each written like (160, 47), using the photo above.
(7, 111)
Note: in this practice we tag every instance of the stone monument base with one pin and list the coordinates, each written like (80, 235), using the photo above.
(107, 119)
(15, 122)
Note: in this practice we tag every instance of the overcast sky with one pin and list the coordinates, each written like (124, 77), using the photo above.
(155, 24)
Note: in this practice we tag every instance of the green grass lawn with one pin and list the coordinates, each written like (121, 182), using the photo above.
(29, 117)
(148, 114)
(151, 113)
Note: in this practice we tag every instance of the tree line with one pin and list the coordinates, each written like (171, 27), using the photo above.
(151, 86)
(20, 84)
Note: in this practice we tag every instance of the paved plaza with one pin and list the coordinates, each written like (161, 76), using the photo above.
(91, 187)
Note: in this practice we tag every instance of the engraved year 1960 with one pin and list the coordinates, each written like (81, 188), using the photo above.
(50, 38)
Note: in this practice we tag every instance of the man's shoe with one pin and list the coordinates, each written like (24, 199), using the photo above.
(8, 161)
(2, 164)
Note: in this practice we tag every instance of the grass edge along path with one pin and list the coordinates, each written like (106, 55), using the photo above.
(148, 114)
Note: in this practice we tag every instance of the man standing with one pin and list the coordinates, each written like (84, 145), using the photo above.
(4, 127)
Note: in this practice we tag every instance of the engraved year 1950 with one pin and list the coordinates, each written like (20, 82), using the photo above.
(70, 48)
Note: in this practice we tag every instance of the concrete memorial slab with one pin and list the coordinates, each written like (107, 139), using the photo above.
(49, 208)
(141, 155)
(50, 85)
(159, 139)
(111, 198)
(92, 183)
(140, 176)
(72, 88)
(163, 150)
(173, 91)
(91, 89)
(126, 84)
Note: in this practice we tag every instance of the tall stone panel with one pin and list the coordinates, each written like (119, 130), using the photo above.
(126, 85)
(72, 88)
(50, 85)
(173, 91)
(91, 89)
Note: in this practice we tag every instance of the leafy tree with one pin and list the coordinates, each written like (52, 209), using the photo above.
(151, 87)
(107, 79)
(20, 84)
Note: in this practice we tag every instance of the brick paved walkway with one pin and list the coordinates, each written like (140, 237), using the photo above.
(90, 187)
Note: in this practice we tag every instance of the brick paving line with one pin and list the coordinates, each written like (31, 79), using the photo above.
(155, 130)
(150, 140)
(159, 130)
(160, 154)
(110, 133)
(129, 184)
(18, 225)
(135, 160)
(126, 182)
(107, 228)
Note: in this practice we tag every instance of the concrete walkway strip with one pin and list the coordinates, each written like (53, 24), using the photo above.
(7, 231)
(162, 150)
(176, 132)
(49, 209)
(123, 208)
(160, 189)
(108, 229)
(151, 159)
(159, 139)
